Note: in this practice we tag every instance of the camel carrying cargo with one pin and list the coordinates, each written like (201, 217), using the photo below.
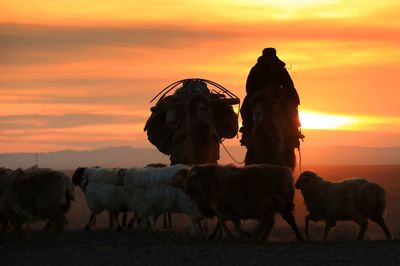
(190, 119)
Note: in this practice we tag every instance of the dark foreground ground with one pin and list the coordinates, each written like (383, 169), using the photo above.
(175, 247)
(102, 247)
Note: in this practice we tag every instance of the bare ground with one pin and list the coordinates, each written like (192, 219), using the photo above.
(103, 247)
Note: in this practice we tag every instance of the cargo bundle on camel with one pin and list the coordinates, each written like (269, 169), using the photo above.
(189, 124)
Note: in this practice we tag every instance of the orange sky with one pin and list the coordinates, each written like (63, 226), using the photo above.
(80, 74)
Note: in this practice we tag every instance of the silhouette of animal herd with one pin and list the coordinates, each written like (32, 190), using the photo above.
(224, 192)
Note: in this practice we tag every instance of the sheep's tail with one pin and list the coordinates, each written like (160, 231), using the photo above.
(69, 196)
(374, 199)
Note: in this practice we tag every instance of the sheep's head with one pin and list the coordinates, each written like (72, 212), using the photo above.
(77, 177)
(156, 165)
(305, 178)
(5, 171)
(121, 172)
(179, 179)
(193, 183)
(187, 180)
(18, 171)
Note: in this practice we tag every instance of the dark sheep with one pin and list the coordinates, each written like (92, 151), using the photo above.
(237, 193)
(349, 200)
(34, 194)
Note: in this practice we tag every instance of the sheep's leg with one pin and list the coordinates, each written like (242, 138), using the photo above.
(124, 219)
(289, 218)
(195, 227)
(145, 223)
(307, 220)
(65, 220)
(48, 225)
(243, 235)
(363, 227)
(57, 219)
(18, 228)
(155, 220)
(266, 227)
(115, 218)
(225, 229)
(61, 220)
(216, 230)
(239, 230)
(92, 221)
(220, 233)
(150, 227)
(204, 225)
(381, 222)
(4, 224)
(132, 221)
(219, 230)
(167, 220)
(110, 220)
(328, 227)
(257, 230)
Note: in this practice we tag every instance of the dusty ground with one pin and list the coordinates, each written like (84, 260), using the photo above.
(175, 247)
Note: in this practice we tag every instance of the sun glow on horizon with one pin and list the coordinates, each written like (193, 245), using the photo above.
(291, 3)
(318, 120)
(315, 120)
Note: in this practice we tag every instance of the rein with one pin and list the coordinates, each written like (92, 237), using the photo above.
(299, 159)
(230, 155)
(222, 141)
(268, 131)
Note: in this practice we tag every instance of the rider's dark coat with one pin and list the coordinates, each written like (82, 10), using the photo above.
(270, 70)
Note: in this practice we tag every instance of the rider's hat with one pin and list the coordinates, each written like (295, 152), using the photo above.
(269, 52)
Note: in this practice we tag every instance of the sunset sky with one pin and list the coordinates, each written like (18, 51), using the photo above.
(80, 74)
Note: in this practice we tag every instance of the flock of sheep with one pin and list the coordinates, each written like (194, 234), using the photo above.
(225, 192)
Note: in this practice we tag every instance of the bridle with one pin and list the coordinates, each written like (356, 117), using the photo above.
(266, 126)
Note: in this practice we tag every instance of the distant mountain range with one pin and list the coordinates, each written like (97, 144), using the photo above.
(128, 157)
(68, 159)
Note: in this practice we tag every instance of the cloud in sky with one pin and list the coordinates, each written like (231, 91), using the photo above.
(39, 43)
(77, 131)
(186, 11)
(32, 44)
(32, 121)
(99, 64)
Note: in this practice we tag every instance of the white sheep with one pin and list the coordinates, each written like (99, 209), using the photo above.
(151, 193)
(103, 190)
(350, 200)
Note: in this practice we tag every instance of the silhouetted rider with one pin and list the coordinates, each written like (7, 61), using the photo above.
(270, 70)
